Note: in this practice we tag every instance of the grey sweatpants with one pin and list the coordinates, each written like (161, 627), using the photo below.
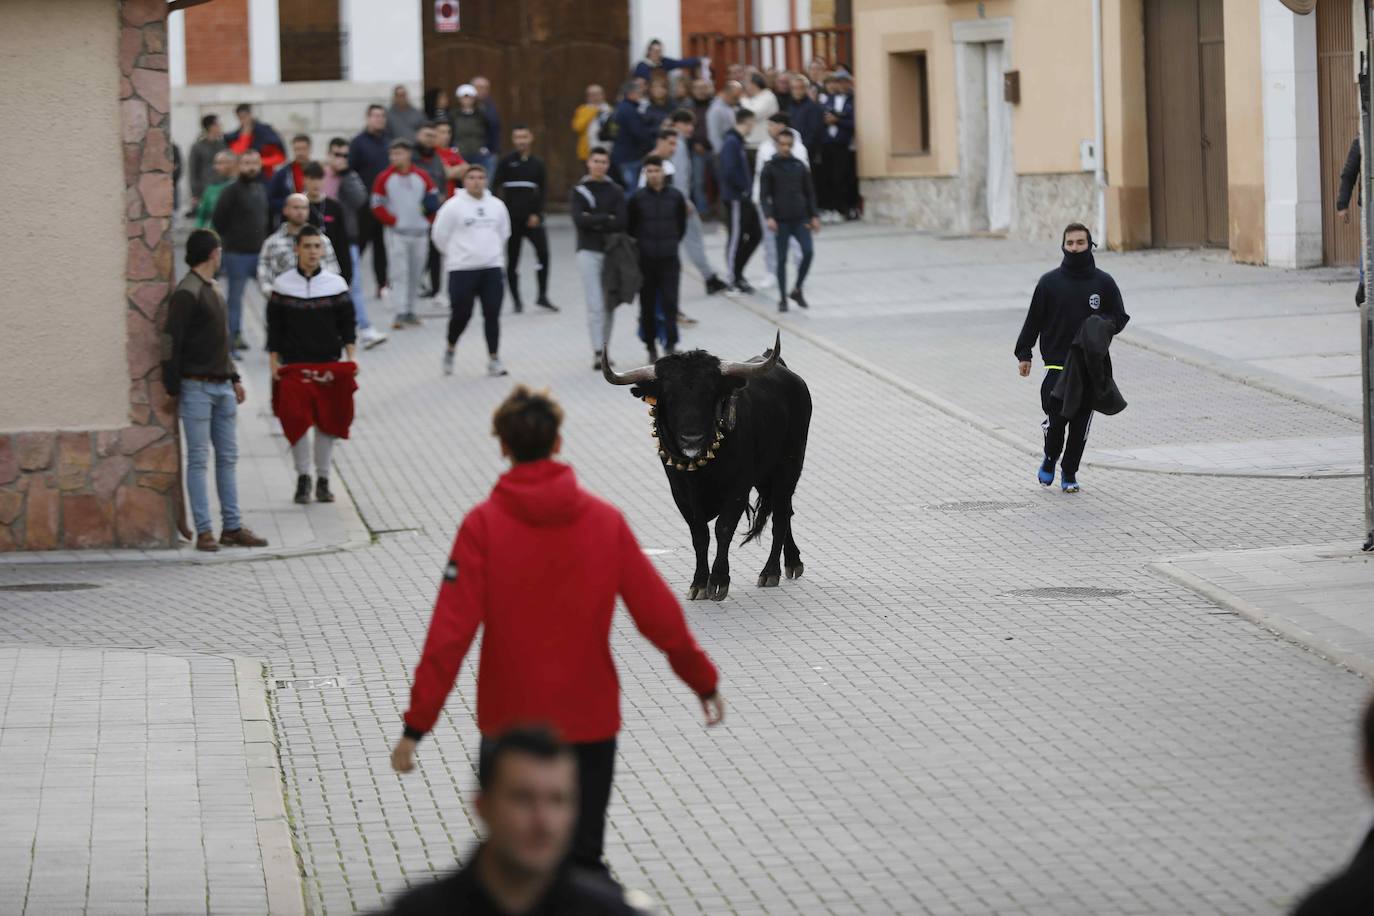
(694, 244)
(589, 265)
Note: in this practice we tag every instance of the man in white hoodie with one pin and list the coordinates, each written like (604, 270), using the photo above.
(471, 232)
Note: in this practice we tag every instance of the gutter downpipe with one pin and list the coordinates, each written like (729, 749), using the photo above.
(1100, 162)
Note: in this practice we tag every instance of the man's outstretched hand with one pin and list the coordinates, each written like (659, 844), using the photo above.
(715, 709)
(1024, 368)
(403, 757)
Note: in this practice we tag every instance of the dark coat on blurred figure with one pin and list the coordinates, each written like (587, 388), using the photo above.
(1086, 382)
(1349, 893)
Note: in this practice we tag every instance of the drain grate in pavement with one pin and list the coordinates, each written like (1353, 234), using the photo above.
(49, 587)
(1068, 592)
(312, 683)
(977, 506)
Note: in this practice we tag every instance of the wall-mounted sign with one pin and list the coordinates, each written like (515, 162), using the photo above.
(445, 15)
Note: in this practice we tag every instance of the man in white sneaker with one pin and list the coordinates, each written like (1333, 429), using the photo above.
(471, 232)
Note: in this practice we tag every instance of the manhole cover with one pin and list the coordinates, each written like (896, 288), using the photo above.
(977, 506)
(49, 587)
(1068, 591)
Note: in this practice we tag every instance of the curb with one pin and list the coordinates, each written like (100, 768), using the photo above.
(1276, 624)
(281, 867)
(1006, 436)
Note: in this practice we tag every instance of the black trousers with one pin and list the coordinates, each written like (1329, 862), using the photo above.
(519, 231)
(659, 287)
(370, 233)
(836, 178)
(595, 773)
(435, 265)
(464, 288)
(1056, 425)
(745, 234)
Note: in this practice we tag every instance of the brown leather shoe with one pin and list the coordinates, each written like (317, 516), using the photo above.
(241, 537)
(206, 541)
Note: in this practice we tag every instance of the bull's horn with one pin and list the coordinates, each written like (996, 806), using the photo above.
(749, 370)
(633, 377)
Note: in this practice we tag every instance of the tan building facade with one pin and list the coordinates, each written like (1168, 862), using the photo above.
(1224, 121)
(88, 443)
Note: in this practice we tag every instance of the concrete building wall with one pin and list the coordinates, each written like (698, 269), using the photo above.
(1292, 148)
(1245, 129)
(1126, 140)
(62, 356)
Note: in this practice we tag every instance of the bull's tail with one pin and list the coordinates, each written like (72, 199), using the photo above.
(762, 509)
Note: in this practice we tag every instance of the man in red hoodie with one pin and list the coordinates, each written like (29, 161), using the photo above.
(520, 568)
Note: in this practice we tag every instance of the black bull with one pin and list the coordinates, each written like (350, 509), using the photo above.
(723, 429)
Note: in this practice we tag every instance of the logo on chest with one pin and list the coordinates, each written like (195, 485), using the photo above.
(1095, 301)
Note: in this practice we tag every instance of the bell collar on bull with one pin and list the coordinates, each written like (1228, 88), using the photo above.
(725, 409)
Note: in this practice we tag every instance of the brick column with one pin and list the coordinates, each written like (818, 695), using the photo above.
(116, 488)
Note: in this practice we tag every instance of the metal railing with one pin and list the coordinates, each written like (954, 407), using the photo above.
(791, 50)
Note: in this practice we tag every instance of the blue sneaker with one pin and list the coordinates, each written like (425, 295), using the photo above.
(1046, 473)
(1068, 484)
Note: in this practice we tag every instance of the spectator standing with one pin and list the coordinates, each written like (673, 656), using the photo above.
(632, 136)
(597, 205)
(808, 120)
(816, 71)
(437, 104)
(699, 104)
(720, 118)
(655, 65)
(454, 165)
(736, 185)
(278, 253)
(404, 200)
(201, 168)
(781, 83)
(255, 135)
(290, 178)
(429, 160)
(310, 320)
(403, 119)
(1350, 175)
(470, 126)
(199, 374)
(836, 159)
(528, 799)
(546, 620)
(344, 184)
(778, 125)
(493, 116)
(660, 106)
(369, 156)
(471, 231)
(226, 170)
(759, 99)
(685, 164)
(789, 205)
(657, 219)
(241, 220)
(522, 185)
(588, 119)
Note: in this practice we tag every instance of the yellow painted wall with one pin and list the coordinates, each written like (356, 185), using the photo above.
(1244, 131)
(62, 354)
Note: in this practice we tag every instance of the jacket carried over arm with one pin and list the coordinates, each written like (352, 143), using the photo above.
(1350, 176)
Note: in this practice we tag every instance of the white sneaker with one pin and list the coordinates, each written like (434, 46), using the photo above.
(494, 367)
(371, 337)
(767, 282)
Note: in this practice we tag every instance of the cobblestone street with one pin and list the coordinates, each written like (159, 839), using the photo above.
(980, 699)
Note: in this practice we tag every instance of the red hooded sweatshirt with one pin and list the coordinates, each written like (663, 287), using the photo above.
(539, 565)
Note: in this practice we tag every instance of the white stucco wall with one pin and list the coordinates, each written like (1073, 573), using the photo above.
(650, 19)
(62, 353)
(1292, 148)
(385, 41)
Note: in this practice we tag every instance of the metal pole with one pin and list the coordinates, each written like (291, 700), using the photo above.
(1100, 165)
(1366, 312)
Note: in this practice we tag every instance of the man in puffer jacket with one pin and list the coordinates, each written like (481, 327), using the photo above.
(658, 221)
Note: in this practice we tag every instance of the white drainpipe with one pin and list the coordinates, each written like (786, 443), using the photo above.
(1100, 169)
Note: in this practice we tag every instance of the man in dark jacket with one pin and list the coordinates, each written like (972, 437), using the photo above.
(199, 373)
(546, 622)
(633, 137)
(521, 183)
(658, 221)
(789, 204)
(370, 155)
(1350, 178)
(289, 179)
(1063, 299)
(1350, 892)
(808, 119)
(528, 800)
(201, 168)
(597, 205)
(736, 191)
(327, 214)
(241, 219)
(835, 162)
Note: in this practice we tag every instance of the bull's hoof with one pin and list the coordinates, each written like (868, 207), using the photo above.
(795, 572)
(719, 590)
(769, 580)
(696, 593)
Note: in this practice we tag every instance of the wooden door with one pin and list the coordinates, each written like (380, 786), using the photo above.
(539, 55)
(310, 40)
(1185, 90)
(1338, 112)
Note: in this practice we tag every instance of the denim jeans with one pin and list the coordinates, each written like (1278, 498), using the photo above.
(209, 413)
(800, 234)
(239, 268)
(629, 176)
(355, 290)
(702, 163)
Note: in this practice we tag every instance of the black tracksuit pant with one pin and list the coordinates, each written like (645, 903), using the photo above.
(745, 234)
(370, 233)
(595, 773)
(1056, 424)
(661, 277)
(519, 231)
(465, 287)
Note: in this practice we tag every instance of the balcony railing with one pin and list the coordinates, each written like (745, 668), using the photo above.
(791, 50)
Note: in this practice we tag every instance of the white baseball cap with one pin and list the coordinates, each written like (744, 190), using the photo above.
(467, 89)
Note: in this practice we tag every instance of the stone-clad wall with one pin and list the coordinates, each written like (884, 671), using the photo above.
(115, 488)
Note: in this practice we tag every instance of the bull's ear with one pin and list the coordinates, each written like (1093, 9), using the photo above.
(644, 391)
